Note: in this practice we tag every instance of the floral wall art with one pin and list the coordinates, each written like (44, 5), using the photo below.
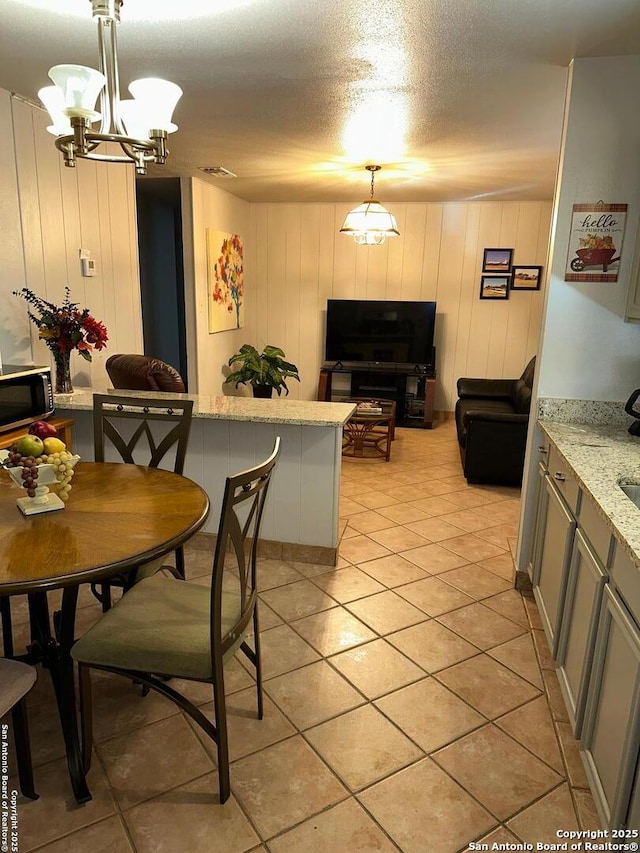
(225, 281)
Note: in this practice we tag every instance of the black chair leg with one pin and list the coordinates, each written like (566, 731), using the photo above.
(180, 570)
(258, 661)
(86, 715)
(23, 749)
(220, 710)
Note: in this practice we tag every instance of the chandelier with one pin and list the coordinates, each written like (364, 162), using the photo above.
(140, 125)
(370, 223)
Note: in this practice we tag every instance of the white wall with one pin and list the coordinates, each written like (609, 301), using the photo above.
(300, 260)
(588, 352)
(47, 213)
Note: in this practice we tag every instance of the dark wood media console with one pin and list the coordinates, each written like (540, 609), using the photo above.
(388, 382)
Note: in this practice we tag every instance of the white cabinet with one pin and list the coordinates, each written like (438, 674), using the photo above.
(611, 729)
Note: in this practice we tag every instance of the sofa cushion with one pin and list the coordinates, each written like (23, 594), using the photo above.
(469, 405)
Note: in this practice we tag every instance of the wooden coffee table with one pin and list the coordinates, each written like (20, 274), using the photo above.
(370, 430)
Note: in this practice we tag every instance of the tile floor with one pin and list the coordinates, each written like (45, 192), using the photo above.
(411, 702)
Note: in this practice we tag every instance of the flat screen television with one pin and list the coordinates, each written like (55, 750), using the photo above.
(380, 331)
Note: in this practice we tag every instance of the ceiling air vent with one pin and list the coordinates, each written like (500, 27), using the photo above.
(217, 171)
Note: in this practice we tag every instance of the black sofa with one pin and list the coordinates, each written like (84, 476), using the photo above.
(492, 416)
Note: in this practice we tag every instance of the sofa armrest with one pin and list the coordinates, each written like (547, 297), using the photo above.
(485, 388)
(495, 417)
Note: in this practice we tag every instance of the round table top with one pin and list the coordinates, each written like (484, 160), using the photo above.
(117, 517)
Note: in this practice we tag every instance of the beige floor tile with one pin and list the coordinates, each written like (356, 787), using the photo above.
(434, 505)
(542, 649)
(56, 813)
(369, 521)
(386, 612)
(496, 770)
(45, 732)
(345, 828)
(350, 507)
(487, 686)
(532, 611)
(267, 617)
(502, 565)
(432, 646)
(273, 796)
(283, 650)
(541, 821)
(476, 582)
(434, 529)
(509, 604)
(312, 694)
(481, 626)
(403, 513)
(433, 596)
(472, 548)
(333, 631)
(499, 534)
(430, 714)
(272, 573)
(359, 549)
(571, 752)
(310, 570)
(588, 817)
(376, 499)
(393, 570)
(245, 731)
(402, 491)
(347, 584)
(442, 818)
(434, 488)
(398, 538)
(189, 818)
(376, 668)
(519, 655)
(152, 760)
(470, 499)
(467, 519)
(532, 726)
(295, 600)
(434, 558)
(108, 836)
(348, 488)
(503, 510)
(362, 746)
(556, 702)
(500, 836)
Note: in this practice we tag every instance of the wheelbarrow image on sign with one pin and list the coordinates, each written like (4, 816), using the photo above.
(594, 258)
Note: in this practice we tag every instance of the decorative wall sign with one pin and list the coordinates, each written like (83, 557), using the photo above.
(494, 286)
(225, 281)
(497, 260)
(526, 277)
(595, 244)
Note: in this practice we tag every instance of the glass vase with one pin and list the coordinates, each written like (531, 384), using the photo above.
(63, 373)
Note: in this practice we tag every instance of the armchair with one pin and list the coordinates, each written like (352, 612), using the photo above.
(492, 417)
(143, 373)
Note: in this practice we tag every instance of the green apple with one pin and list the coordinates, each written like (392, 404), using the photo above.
(30, 445)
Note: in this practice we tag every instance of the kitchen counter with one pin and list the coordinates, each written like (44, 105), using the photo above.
(601, 457)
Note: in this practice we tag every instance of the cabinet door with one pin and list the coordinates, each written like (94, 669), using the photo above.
(633, 815)
(556, 528)
(611, 729)
(580, 616)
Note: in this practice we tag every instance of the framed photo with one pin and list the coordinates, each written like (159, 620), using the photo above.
(497, 260)
(526, 278)
(494, 286)
(595, 242)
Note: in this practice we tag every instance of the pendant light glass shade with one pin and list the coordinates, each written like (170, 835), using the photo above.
(80, 88)
(370, 223)
(156, 100)
(53, 100)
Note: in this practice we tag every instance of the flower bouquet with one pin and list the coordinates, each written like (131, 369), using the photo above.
(64, 328)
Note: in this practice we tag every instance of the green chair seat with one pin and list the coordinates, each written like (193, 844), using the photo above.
(174, 638)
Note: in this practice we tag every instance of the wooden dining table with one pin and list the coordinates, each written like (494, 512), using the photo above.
(118, 517)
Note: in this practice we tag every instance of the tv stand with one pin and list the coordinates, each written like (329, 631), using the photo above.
(388, 381)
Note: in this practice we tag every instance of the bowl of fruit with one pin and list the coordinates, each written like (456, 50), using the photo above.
(37, 461)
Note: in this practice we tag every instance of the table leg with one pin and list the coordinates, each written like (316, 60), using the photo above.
(56, 657)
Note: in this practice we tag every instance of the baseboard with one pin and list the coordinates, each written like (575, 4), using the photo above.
(272, 550)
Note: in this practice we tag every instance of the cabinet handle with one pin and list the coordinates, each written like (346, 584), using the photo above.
(542, 450)
(559, 476)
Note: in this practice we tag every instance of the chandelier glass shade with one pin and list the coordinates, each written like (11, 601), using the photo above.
(140, 125)
(370, 223)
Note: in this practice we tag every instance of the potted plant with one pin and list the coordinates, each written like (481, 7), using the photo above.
(263, 371)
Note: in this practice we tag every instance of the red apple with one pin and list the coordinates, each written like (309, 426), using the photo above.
(42, 429)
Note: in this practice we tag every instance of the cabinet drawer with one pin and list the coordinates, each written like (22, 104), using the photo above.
(563, 478)
(595, 529)
(626, 577)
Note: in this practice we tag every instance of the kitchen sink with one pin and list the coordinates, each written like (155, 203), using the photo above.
(632, 491)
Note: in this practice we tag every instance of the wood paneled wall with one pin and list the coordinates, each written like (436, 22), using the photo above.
(47, 213)
(299, 260)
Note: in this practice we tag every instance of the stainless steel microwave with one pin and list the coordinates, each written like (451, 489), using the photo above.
(26, 395)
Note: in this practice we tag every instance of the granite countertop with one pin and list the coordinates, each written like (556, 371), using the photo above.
(275, 411)
(601, 457)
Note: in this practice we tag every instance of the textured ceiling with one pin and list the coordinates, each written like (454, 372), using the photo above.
(456, 99)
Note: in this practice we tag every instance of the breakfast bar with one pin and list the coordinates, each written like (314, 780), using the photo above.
(229, 434)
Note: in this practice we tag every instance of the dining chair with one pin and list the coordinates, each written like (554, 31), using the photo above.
(16, 680)
(166, 629)
(143, 431)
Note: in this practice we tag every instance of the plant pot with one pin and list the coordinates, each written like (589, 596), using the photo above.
(265, 391)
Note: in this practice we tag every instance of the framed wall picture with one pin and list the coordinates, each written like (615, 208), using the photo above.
(526, 277)
(494, 286)
(225, 281)
(497, 260)
(595, 242)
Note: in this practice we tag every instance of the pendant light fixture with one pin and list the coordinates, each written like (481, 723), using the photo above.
(370, 223)
(140, 126)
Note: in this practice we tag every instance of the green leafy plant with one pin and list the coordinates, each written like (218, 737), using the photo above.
(265, 368)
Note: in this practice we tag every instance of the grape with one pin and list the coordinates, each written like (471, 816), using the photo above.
(31, 493)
